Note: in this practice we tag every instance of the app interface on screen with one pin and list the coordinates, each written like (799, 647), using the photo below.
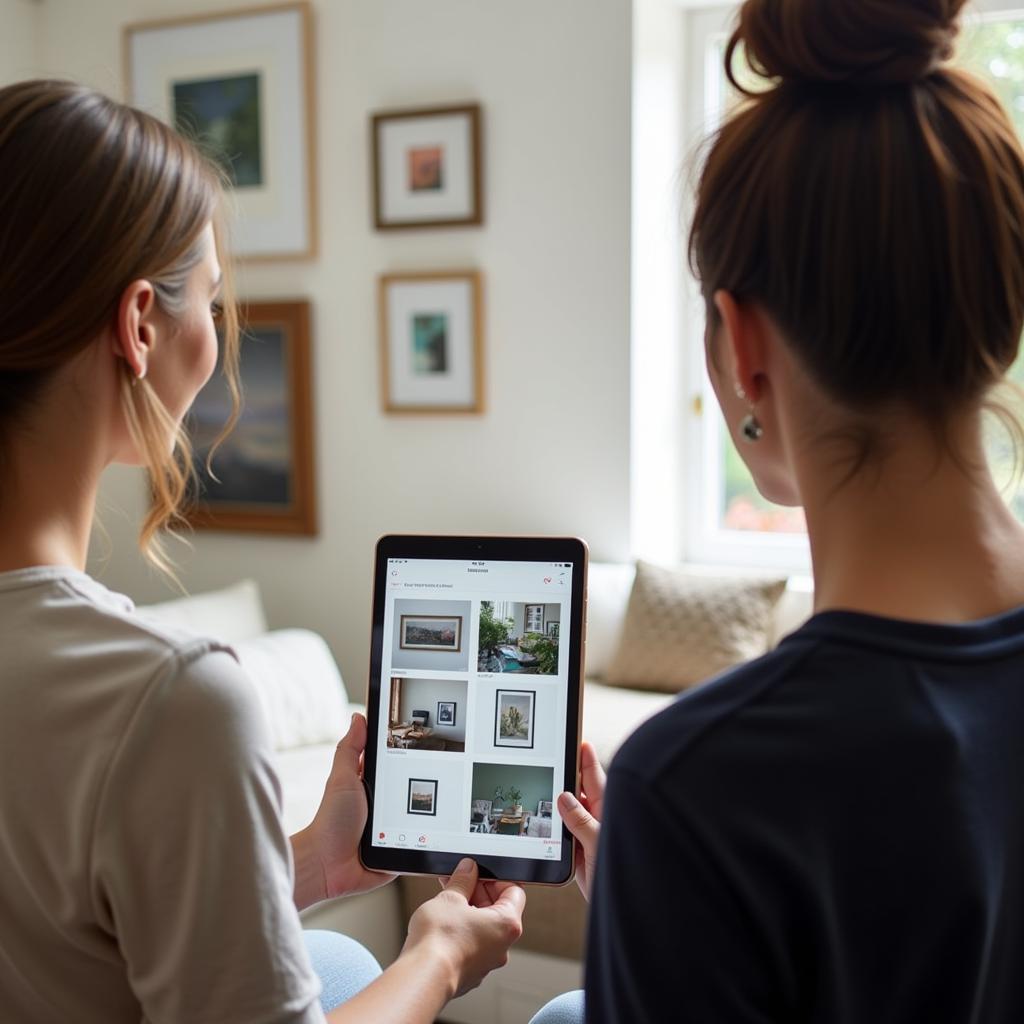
(474, 693)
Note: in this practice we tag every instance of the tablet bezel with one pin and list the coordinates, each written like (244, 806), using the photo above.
(490, 549)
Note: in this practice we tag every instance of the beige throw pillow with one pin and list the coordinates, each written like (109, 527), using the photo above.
(681, 627)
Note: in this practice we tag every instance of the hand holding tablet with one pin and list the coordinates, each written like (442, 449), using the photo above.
(474, 704)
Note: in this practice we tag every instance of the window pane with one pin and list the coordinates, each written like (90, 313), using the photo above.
(994, 49)
(740, 506)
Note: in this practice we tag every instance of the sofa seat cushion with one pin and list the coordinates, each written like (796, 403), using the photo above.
(303, 773)
(612, 713)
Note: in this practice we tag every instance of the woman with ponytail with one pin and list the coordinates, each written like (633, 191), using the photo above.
(834, 833)
(144, 871)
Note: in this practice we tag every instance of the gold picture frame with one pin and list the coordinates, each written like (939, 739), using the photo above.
(431, 342)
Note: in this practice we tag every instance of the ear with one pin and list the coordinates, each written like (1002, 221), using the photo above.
(745, 343)
(135, 331)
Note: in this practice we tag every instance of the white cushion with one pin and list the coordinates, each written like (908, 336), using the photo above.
(232, 614)
(608, 588)
(299, 686)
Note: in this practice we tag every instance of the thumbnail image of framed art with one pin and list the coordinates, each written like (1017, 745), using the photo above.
(431, 342)
(422, 796)
(513, 718)
(263, 472)
(446, 713)
(426, 167)
(241, 85)
(430, 633)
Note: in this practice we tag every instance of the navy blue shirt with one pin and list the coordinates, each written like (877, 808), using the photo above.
(832, 833)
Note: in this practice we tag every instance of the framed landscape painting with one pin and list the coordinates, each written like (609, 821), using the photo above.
(263, 472)
(431, 342)
(430, 633)
(426, 168)
(240, 85)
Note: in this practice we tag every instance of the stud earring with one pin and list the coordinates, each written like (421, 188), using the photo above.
(751, 428)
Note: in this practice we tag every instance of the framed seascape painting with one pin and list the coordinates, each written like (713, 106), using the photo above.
(241, 85)
(431, 327)
(426, 168)
(422, 796)
(263, 472)
(430, 633)
(513, 718)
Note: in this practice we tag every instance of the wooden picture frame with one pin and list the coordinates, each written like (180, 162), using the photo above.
(407, 623)
(199, 72)
(427, 167)
(275, 493)
(431, 342)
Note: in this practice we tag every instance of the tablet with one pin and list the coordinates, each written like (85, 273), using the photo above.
(474, 704)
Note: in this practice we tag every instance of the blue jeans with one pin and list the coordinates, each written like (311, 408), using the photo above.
(342, 964)
(563, 1009)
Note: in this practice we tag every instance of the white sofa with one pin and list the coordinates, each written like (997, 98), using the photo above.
(308, 709)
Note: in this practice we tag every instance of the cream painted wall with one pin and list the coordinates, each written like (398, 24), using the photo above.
(551, 455)
(17, 39)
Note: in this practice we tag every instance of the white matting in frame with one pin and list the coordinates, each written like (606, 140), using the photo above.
(427, 167)
(244, 80)
(431, 343)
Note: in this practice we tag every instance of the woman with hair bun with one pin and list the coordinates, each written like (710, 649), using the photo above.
(834, 832)
(146, 875)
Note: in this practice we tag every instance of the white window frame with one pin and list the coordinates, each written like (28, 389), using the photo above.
(677, 457)
(705, 540)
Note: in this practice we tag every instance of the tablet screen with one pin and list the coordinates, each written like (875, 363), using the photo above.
(472, 708)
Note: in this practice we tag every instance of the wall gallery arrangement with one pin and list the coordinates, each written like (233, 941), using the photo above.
(241, 85)
(263, 472)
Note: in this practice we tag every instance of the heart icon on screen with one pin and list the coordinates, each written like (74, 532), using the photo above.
(547, 579)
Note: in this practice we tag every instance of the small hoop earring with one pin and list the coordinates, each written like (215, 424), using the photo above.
(751, 428)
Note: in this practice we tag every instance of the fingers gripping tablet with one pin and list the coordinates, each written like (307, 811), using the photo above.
(474, 704)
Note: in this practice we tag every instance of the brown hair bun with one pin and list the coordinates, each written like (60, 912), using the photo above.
(861, 42)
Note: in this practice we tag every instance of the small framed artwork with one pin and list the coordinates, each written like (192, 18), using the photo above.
(263, 471)
(241, 84)
(513, 718)
(552, 629)
(422, 796)
(446, 712)
(431, 342)
(426, 168)
(430, 633)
